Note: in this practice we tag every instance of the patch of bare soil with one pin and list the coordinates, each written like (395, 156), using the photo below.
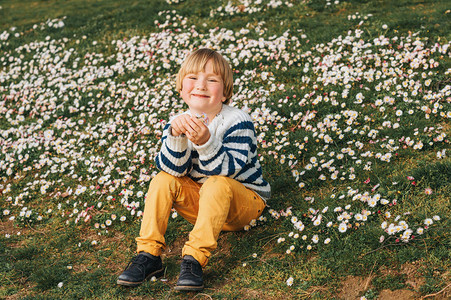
(414, 279)
(247, 293)
(398, 295)
(223, 244)
(175, 249)
(8, 227)
(251, 294)
(353, 287)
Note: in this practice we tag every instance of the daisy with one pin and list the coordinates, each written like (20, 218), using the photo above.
(403, 224)
(315, 239)
(342, 227)
(372, 202)
(428, 222)
(299, 226)
(391, 229)
(317, 220)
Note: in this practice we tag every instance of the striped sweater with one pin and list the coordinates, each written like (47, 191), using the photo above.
(231, 151)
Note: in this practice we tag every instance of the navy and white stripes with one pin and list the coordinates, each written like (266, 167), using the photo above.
(231, 151)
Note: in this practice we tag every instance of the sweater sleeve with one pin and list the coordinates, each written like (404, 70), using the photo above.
(228, 156)
(175, 156)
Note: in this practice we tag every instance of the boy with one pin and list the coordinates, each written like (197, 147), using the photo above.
(210, 173)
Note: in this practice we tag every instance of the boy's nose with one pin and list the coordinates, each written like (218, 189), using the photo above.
(201, 84)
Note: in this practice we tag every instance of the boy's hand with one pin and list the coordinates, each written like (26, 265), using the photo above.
(194, 129)
(197, 132)
(180, 125)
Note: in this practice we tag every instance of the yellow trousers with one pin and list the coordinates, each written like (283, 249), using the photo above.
(221, 203)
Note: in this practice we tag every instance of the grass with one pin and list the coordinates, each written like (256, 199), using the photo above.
(48, 251)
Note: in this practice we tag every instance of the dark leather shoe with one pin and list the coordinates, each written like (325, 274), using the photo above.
(190, 278)
(142, 267)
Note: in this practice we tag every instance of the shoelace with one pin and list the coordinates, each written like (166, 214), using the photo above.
(187, 266)
(139, 261)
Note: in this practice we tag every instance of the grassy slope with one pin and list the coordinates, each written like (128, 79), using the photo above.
(32, 263)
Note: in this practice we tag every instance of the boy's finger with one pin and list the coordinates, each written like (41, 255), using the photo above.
(189, 136)
(194, 123)
(174, 131)
(190, 125)
(198, 122)
(179, 127)
(186, 125)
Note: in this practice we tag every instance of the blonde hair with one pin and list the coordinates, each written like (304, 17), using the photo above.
(196, 63)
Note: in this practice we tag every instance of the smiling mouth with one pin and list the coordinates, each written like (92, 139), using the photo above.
(200, 96)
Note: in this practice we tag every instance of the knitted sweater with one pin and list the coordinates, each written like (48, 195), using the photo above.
(231, 151)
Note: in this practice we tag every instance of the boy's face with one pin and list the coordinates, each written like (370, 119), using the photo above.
(204, 91)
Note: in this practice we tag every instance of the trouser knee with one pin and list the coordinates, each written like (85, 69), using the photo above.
(216, 185)
(162, 178)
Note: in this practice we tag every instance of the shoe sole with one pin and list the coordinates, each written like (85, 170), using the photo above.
(188, 288)
(157, 274)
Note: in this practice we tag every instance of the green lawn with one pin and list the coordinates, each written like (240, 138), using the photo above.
(351, 104)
